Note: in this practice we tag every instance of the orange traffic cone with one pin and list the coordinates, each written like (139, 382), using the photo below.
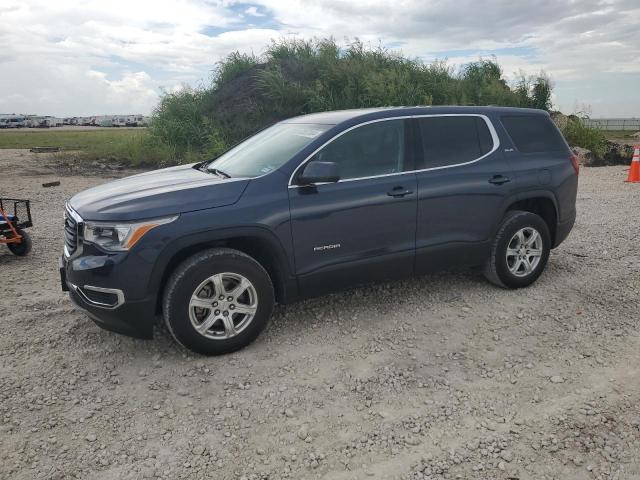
(634, 169)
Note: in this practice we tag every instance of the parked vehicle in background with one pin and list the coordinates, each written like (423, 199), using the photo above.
(119, 122)
(319, 203)
(15, 122)
(105, 122)
(87, 121)
(135, 121)
(48, 122)
(33, 122)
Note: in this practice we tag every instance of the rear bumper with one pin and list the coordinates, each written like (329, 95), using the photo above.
(563, 229)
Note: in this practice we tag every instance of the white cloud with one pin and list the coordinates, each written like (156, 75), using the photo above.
(65, 58)
(253, 11)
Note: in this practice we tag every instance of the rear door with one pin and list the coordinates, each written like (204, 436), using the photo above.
(363, 227)
(462, 186)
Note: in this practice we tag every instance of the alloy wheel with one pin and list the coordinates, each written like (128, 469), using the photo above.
(524, 251)
(223, 306)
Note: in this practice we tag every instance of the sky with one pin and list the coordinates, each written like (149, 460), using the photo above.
(74, 58)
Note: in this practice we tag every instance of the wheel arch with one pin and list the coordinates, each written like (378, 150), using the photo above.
(258, 243)
(542, 203)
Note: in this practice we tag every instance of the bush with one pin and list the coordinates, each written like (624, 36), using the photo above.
(578, 134)
(296, 77)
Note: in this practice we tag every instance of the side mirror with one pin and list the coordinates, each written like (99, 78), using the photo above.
(319, 172)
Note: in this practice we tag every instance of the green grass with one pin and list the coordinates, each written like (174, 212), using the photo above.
(66, 139)
(125, 145)
(626, 135)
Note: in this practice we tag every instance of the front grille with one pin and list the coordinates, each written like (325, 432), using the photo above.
(70, 233)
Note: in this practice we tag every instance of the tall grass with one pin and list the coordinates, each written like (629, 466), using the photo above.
(296, 77)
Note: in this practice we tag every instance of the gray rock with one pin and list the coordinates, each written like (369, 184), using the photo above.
(506, 455)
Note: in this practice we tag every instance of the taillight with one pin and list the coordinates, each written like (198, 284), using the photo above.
(575, 163)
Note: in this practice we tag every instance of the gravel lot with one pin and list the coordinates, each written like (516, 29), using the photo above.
(437, 377)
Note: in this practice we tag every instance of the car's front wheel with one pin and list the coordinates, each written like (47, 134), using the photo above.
(218, 301)
(520, 250)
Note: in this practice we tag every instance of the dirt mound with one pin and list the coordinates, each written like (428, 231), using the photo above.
(616, 154)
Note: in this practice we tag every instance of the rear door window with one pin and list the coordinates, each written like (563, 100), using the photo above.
(533, 133)
(453, 140)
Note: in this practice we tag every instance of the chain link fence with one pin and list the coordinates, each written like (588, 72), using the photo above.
(613, 123)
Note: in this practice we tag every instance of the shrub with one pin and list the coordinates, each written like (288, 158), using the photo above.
(294, 77)
(578, 134)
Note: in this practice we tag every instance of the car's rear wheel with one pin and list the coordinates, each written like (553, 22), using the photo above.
(218, 301)
(520, 250)
(24, 247)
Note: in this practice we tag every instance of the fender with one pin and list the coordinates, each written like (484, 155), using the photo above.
(172, 254)
(517, 197)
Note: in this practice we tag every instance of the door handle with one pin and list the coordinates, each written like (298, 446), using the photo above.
(499, 179)
(399, 192)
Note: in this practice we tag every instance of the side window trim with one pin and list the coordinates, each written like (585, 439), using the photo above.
(410, 146)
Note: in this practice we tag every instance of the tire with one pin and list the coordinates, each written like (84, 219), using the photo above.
(510, 269)
(202, 276)
(24, 247)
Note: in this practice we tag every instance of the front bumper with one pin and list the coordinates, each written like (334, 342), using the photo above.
(110, 308)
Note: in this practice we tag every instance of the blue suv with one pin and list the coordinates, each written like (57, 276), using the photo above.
(314, 204)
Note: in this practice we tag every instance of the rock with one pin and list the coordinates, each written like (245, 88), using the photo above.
(198, 450)
(617, 154)
(303, 433)
(614, 154)
(412, 441)
(585, 156)
(473, 444)
(556, 379)
(506, 455)
(91, 438)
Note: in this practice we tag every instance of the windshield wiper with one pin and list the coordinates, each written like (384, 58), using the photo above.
(218, 172)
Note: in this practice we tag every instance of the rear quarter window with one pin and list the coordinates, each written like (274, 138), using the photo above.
(533, 133)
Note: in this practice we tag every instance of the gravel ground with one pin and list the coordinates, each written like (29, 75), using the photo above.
(437, 377)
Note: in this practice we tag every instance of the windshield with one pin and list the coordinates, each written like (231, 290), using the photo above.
(267, 150)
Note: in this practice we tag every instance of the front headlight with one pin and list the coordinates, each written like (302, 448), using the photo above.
(120, 236)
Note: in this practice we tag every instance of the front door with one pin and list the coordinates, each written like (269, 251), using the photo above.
(361, 228)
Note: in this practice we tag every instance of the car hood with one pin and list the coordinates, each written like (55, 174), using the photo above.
(168, 191)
